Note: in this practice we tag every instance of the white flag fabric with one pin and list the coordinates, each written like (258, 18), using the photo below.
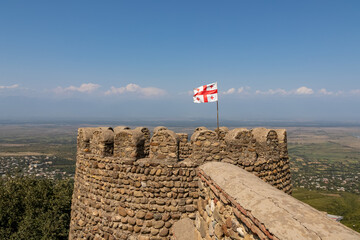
(206, 93)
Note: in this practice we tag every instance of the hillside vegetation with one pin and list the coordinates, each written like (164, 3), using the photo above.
(34, 208)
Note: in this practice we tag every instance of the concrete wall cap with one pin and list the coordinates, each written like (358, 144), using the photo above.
(283, 215)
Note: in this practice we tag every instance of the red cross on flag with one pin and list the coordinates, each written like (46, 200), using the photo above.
(206, 93)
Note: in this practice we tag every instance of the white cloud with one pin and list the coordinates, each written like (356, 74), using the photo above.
(241, 90)
(230, 91)
(9, 87)
(304, 91)
(355, 91)
(278, 91)
(134, 88)
(323, 91)
(84, 88)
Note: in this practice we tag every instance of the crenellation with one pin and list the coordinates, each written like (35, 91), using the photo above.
(200, 129)
(83, 139)
(129, 144)
(185, 147)
(120, 128)
(130, 184)
(164, 144)
(223, 131)
(147, 136)
(205, 146)
(240, 147)
(159, 128)
(102, 141)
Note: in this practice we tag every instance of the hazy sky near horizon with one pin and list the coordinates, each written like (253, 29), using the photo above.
(273, 60)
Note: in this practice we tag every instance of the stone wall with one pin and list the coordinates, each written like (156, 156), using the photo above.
(116, 199)
(261, 151)
(205, 146)
(185, 148)
(129, 144)
(164, 145)
(129, 185)
(235, 204)
(102, 142)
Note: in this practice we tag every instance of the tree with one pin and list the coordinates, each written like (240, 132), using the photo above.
(35, 208)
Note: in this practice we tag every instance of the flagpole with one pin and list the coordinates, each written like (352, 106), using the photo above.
(217, 112)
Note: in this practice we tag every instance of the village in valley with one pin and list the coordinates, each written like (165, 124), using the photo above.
(37, 165)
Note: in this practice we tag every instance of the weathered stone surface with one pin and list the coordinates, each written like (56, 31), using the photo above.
(140, 214)
(283, 216)
(120, 192)
(149, 216)
(158, 224)
(122, 211)
(218, 231)
(164, 232)
(169, 145)
(184, 229)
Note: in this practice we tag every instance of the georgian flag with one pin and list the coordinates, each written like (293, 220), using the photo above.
(206, 93)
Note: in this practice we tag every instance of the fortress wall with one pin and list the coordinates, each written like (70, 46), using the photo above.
(185, 148)
(205, 146)
(129, 144)
(235, 204)
(121, 190)
(116, 199)
(164, 144)
(259, 150)
(102, 142)
(223, 131)
(146, 134)
(262, 152)
(83, 139)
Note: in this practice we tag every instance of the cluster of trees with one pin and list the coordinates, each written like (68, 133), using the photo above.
(35, 208)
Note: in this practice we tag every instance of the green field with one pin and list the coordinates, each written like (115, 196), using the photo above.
(332, 152)
(343, 204)
(42, 139)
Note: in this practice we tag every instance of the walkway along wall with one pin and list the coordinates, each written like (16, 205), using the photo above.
(128, 185)
(235, 204)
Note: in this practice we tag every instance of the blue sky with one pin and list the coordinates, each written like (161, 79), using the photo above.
(273, 60)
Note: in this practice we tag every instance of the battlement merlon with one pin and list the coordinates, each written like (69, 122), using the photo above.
(259, 150)
(146, 182)
(107, 141)
(204, 144)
